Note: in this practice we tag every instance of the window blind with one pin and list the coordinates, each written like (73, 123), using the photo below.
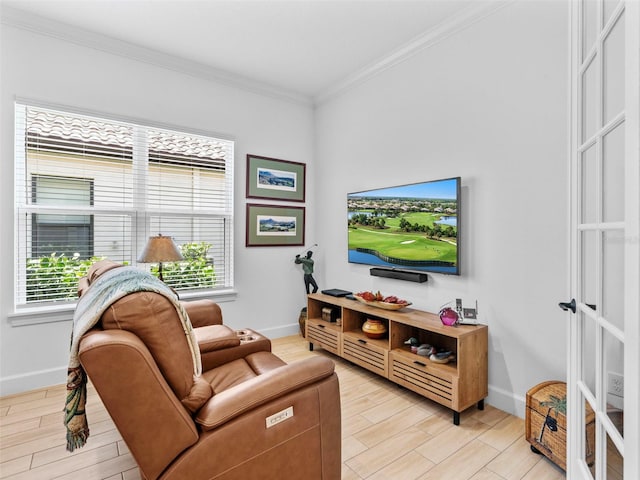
(89, 188)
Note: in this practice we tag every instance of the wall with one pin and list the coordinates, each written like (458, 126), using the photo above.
(488, 104)
(54, 71)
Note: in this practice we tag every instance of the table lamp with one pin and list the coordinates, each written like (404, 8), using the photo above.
(160, 249)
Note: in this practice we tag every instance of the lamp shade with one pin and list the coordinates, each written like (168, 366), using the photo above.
(160, 249)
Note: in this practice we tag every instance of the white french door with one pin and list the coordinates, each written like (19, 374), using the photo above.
(604, 334)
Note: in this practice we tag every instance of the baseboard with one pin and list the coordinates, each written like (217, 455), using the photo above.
(33, 380)
(57, 376)
(498, 398)
(507, 401)
(281, 330)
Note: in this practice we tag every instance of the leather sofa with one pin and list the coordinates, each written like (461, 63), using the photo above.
(248, 416)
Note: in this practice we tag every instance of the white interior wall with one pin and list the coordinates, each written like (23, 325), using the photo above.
(488, 104)
(50, 70)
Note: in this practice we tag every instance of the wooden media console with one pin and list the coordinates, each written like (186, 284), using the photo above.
(458, 385)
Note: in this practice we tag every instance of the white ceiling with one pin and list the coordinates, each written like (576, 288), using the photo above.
(306, 47)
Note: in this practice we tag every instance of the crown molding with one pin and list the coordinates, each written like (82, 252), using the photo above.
(27, 21)
(448, 27)
(41, 25)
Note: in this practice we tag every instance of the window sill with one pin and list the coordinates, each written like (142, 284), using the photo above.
(64, 313)
(218, 296)
(39, 315)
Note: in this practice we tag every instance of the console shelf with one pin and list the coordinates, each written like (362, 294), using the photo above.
(457, 385)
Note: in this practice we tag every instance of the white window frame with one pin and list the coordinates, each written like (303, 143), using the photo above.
(25, 313)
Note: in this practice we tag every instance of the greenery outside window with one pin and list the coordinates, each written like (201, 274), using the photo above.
(90, 188)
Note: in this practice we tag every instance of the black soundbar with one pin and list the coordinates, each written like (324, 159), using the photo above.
(408, 275)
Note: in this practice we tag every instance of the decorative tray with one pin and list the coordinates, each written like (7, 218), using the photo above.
(382, 304)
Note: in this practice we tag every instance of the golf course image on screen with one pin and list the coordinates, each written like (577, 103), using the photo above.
(413, 227)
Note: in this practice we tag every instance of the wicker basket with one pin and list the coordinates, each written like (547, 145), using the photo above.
(546, 423)
(302, 321)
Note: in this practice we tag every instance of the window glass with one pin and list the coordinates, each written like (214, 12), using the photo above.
(62, 233)
(90, 188)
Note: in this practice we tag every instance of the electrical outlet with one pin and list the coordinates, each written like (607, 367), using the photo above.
(615, 384)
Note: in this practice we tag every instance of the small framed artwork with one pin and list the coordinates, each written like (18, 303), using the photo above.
(274, 179)
(274, 226)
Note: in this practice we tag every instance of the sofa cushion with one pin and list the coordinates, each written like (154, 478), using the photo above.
(215, 337)
(228, 375)
(203, 312)
(263, 362)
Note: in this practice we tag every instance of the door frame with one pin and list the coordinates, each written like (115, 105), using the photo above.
(575, 413)
(632, 242)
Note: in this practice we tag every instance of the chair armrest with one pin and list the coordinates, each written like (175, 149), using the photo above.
(259, 390)
(215, 337)
(203, 312)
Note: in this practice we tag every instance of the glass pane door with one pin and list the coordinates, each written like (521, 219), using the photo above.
(597, 364)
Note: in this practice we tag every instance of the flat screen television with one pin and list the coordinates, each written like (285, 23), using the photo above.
(407, 227)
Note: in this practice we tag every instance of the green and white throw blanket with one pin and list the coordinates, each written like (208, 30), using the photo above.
(103, 292)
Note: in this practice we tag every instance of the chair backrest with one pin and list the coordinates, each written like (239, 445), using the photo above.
(154, 319)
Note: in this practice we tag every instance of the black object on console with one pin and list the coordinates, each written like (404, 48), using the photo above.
(408, 275)
(336, 292)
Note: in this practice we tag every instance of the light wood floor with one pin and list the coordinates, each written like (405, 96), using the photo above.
(387, 433)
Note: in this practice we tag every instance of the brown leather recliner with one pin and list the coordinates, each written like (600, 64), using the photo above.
(256, 418)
